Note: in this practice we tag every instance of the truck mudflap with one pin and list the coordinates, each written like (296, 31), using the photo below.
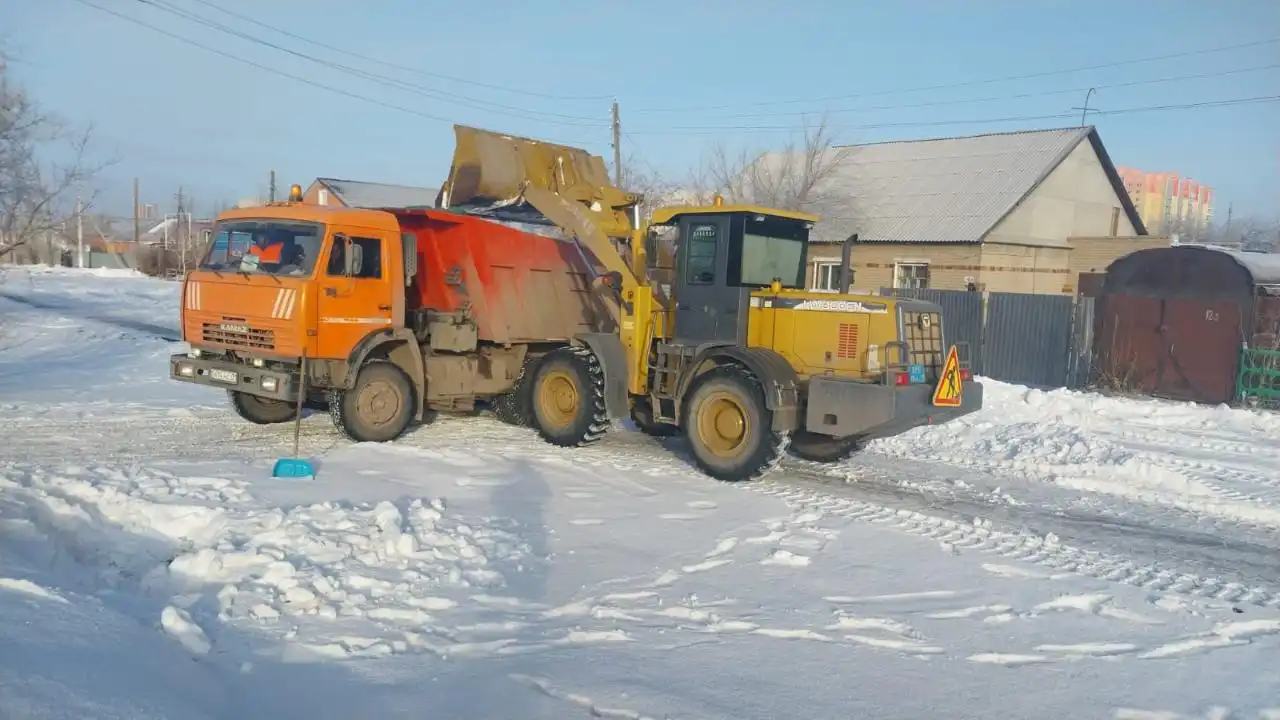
(840, 407)
(261, 382)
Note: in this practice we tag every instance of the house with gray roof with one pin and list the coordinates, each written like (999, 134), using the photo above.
(358, 194)
(999, 211)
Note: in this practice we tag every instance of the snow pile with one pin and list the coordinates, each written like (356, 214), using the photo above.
(1115, 446)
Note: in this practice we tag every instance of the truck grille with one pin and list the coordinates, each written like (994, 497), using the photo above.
(245, 337)
(923, 335)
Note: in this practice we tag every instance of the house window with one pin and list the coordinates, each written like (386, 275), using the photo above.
(826, 277)
(1115, 221)
(911, 276)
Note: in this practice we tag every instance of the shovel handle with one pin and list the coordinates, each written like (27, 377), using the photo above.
(302, 396)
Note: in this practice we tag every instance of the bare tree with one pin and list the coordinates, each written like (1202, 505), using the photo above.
(37, 195)
(793, 177)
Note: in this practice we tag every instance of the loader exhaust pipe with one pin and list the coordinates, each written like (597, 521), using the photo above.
(846, 257)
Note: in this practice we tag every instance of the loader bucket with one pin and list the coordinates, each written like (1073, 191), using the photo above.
(492, 168)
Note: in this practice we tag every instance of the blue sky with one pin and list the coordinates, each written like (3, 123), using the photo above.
(685, 74)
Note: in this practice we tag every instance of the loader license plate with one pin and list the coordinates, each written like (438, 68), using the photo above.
(225, 376)
(915, 373)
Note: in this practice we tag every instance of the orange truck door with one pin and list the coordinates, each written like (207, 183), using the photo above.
(352, 306)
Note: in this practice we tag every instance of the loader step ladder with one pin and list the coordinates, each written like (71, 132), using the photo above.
(668, 364)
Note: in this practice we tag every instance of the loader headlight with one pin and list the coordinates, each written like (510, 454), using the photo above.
(269, 384)
(187, 370)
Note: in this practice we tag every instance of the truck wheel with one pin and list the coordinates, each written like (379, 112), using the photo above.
(263, 411)
(513, 408)
(378, 409)
(729, 427)
(567, 398)
(642, 416)
(825, 449)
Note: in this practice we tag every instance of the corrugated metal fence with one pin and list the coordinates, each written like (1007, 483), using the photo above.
(1038, 340)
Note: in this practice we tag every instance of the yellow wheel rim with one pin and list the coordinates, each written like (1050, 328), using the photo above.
(558, 398)
(723, 425)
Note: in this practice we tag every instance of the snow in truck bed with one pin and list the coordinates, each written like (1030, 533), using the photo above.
(1056, 555)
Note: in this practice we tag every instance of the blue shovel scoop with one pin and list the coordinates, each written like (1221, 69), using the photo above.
(296, 468)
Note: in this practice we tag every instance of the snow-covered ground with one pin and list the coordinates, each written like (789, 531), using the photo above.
(1056, 555)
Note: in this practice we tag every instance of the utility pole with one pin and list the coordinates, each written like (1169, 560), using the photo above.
(79, 233)
(177, 227)
(137, 221)
(617, 146)
(271, 187)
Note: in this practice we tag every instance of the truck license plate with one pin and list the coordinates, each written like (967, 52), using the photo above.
(915, 373)
(226, 376)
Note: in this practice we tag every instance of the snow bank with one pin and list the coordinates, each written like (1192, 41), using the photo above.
(60, 271)
(1110, 445)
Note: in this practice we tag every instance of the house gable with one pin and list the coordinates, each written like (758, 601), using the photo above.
(1077, 198)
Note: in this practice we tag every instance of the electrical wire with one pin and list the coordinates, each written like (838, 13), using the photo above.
(475, 103)
(716, 129)
(968, 83)
(275, 71)
(1018, 96)
(404, 68)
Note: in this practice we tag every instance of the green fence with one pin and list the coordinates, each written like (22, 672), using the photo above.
(1258, 382)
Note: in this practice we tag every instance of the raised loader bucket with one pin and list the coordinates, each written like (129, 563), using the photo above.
(491, 168)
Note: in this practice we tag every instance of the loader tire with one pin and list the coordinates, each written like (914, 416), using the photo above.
(567, 405)
(825, 449)
(262, 411)
(378, 409)
(729, 427)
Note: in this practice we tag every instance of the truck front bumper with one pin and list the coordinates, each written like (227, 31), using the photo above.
(840, 407)
(261, 382)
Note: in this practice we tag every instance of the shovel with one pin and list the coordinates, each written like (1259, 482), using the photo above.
(296, 468)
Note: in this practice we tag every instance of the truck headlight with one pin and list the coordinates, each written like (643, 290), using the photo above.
(194, 353)
(269, 384)
(187, 370)
(258, 362)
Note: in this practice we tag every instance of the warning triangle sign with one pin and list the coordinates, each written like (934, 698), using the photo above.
(949, 392)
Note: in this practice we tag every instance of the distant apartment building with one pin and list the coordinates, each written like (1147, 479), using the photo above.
(1168, 202)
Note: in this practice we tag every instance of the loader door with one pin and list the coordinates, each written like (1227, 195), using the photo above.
(708, 309)
(355, 293)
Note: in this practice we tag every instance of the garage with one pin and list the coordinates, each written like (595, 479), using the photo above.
(1172, 322)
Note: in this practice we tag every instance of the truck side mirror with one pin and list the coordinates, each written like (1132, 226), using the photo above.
(355, 259)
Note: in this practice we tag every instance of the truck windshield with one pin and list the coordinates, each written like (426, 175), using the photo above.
(265, 247)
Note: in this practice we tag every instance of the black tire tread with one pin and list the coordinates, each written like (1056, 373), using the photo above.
(237, 404)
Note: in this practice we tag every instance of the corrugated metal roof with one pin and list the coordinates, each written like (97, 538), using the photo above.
(946, 190)
(358, 194)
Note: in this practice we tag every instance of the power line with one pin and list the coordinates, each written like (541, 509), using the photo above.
(970, 83)
(712, 129)
(267, 68)
(417, 89)
(395, 66)
(1017, 96)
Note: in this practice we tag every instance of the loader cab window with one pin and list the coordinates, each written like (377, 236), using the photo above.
(769, 248)
(370, 258)
(700, 253)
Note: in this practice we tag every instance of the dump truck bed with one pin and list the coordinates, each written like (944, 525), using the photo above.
(519, 282)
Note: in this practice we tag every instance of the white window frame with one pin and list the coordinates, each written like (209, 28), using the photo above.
(833, 278)
(899, 279)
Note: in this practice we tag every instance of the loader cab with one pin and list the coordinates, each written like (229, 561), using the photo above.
(722, 254)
